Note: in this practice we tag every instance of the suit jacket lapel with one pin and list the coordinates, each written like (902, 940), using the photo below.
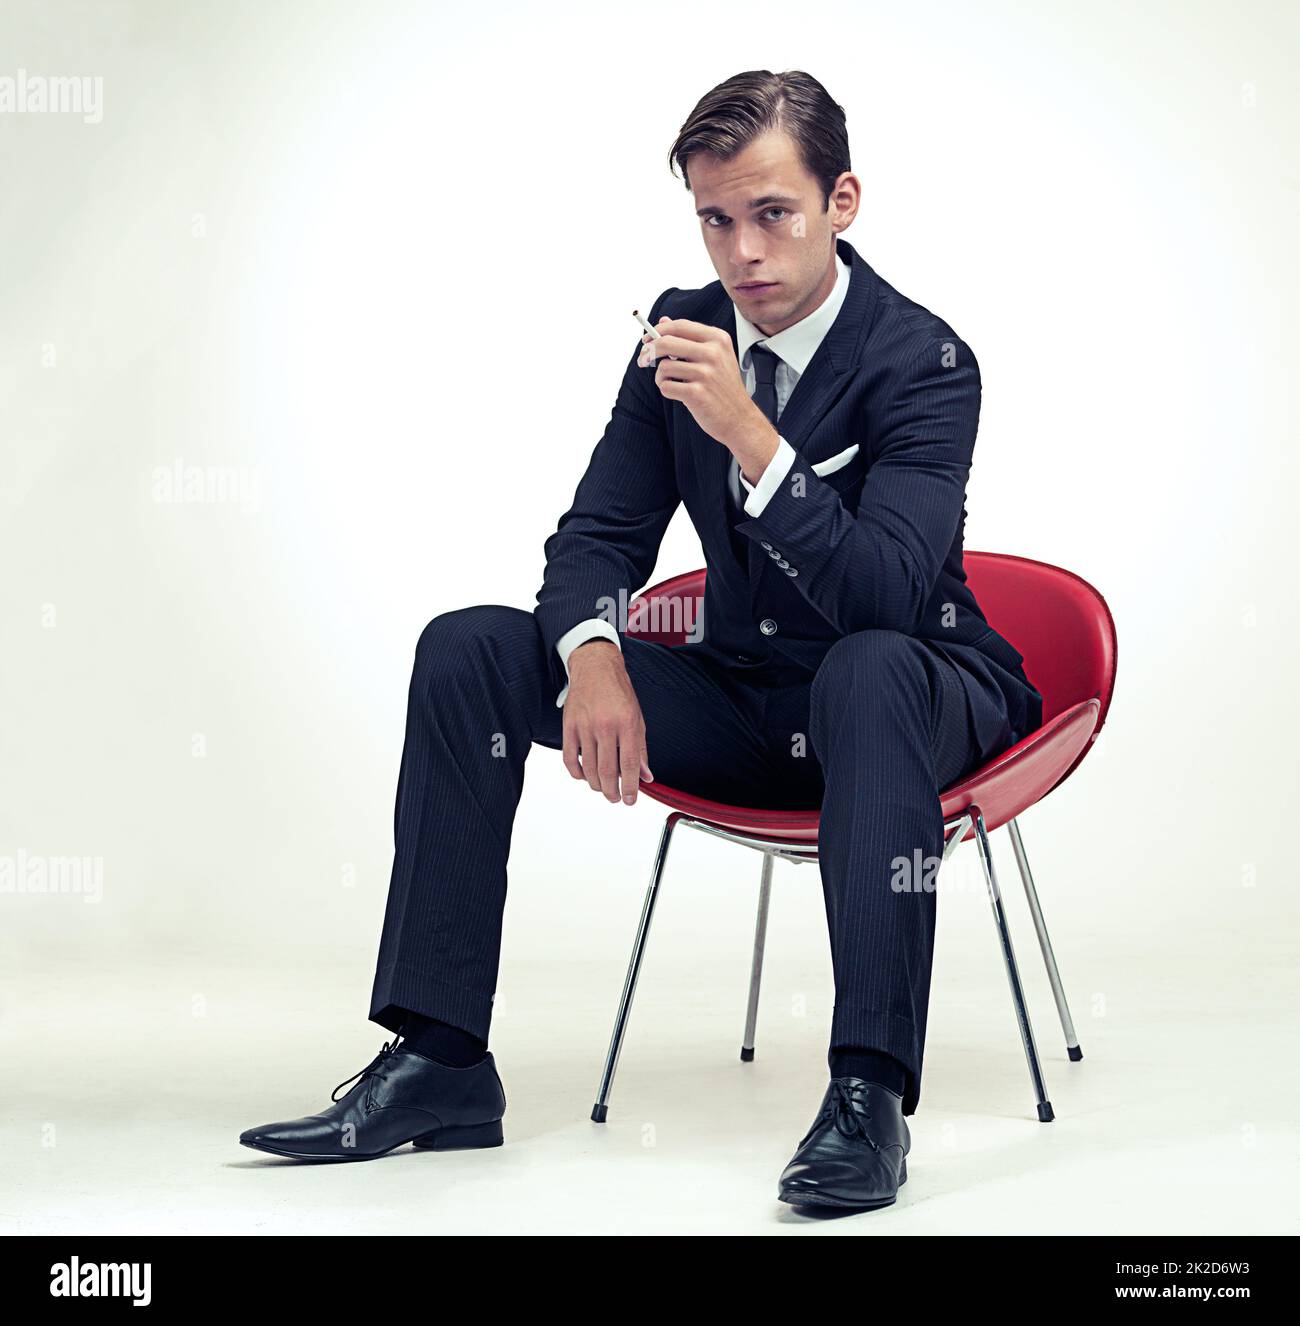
(826, 377)
(828, 372)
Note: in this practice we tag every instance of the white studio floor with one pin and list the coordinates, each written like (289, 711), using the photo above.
(123, 1109)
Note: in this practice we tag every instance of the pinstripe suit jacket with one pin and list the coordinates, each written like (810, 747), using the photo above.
(874, 544)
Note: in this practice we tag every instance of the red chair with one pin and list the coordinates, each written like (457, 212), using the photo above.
(1063, 629)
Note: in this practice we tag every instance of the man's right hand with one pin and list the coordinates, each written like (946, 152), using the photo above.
(604, 733)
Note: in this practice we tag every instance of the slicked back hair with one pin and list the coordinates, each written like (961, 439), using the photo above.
(747, 105)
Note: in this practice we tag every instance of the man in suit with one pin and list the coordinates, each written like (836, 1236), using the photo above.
(819, 427)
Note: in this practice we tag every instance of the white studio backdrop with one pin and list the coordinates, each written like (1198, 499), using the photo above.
(376, 262)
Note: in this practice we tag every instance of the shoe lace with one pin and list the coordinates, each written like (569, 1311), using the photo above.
(845, 1109)
(372, 1069)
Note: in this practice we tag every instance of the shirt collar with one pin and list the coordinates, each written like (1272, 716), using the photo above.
(797, 343)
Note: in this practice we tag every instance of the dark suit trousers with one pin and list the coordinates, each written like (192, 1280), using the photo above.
(871, 737)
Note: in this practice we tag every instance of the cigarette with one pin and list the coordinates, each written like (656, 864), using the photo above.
(658, 335)
(646, 325)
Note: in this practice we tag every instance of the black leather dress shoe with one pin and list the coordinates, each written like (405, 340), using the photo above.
(400, 1097)
(854, 1155)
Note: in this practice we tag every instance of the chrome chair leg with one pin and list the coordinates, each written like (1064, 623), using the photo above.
(1049, 958)
(600, 1110)
(756, 967)
(1045, 1114)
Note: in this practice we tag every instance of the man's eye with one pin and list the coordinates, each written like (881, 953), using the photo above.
(709, 220)
(770, 210)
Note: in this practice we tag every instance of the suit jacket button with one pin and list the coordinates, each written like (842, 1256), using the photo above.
(790, 571)
(767, 626)
(767, 547)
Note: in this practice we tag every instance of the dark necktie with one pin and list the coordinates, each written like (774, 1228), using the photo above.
(764, 362)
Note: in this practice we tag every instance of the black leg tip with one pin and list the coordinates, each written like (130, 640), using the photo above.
(1045, 1114)
(746, 1054)
(599, 1113)
(1075, 1053)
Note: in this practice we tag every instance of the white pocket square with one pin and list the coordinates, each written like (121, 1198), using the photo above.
(824, 467)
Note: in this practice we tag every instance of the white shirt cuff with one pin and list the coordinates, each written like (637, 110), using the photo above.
(778, 467)
(591, 629)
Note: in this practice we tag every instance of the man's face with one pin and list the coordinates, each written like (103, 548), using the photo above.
(770, 241)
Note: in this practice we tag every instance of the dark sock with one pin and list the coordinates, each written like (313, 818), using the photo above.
(440, 1041)
(870, 1065)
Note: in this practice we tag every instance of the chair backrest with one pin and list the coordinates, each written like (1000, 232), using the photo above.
(666, 612)
(1057, 621)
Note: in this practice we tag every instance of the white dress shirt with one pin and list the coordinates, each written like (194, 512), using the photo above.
(795, 347)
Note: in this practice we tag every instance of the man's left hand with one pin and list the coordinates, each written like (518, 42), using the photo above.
(697, 366)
